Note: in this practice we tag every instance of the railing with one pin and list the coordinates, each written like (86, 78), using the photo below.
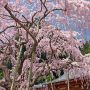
(62, 85)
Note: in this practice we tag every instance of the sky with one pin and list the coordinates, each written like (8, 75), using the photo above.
(85, 34)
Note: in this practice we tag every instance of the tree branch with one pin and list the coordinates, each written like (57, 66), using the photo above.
(19, 22)
(48, 12)
(8, 28)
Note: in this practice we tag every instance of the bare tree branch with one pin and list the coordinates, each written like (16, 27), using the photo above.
(8, 28)
(2, 41)
(19, 22)
(48, 12)
(43, 3)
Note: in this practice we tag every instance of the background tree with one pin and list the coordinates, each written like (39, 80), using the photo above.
(85, 49)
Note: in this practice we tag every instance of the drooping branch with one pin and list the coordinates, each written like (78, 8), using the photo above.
(25, 19)
(6, 72)
(2, 41)
(8, 27)
(3, 16)
(17, 67)
(52, 51)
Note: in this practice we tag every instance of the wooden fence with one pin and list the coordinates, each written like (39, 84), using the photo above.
(62, 85)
